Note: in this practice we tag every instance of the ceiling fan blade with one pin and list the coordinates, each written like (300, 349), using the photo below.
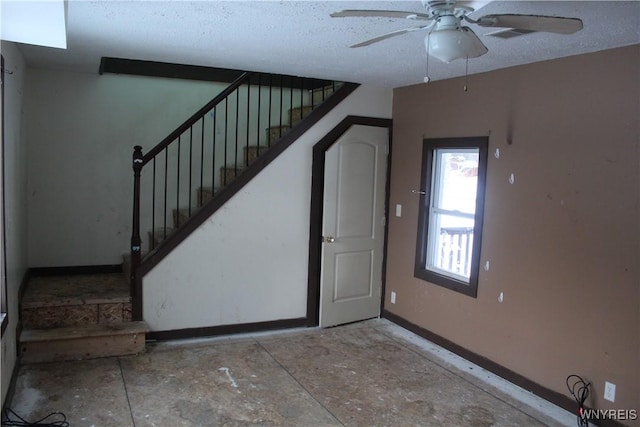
(389, 35)
(476, 47)
(549, 24)
(380, 13)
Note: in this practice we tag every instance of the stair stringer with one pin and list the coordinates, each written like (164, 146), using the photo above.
(247, 262)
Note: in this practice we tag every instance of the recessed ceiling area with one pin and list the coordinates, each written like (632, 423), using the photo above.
(300, 38)
(38, 23)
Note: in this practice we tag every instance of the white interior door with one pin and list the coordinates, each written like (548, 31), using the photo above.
(353, 226)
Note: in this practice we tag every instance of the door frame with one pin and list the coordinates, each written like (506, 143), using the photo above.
(317, 193)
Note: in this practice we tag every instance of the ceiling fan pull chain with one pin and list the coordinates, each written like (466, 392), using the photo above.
(466, 73)
(427, 79)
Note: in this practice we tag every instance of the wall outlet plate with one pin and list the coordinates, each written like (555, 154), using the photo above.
(609, 391)
(393, 297)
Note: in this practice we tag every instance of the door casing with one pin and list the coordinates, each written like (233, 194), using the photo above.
(317, 191)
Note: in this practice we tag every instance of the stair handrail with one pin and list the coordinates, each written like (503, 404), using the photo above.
(140, 159)
(195, 117)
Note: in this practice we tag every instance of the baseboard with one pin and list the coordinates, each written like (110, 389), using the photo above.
(212, 331)
(76, 269)
(545, 393)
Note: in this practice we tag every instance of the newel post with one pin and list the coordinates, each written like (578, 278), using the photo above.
(136, 241)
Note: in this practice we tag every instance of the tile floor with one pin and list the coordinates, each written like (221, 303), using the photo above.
(372, 373)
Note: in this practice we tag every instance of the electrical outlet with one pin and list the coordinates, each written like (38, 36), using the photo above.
(393, 297)
(609, 391)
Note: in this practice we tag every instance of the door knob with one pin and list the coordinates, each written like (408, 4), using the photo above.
(329, 239)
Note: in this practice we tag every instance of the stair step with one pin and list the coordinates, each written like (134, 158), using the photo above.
(320, 94)
(58, 301)
(229, 173)
(274, 133)
(157, 236)
(82, 342)
(252, 152)
(180, 216)
(205, 194)
(297, 114)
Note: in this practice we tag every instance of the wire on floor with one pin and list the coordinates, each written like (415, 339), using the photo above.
(11, 419)
(579, 389)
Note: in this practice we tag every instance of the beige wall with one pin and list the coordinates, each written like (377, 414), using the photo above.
(562, 241)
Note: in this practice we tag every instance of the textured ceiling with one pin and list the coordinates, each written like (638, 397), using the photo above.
(299, 37)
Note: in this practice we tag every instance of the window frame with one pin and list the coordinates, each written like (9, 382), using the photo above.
(429, 146)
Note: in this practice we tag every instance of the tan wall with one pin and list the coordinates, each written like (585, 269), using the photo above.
(562, 241)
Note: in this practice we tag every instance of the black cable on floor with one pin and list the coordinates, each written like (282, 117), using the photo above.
(579, 389)
(11, 419)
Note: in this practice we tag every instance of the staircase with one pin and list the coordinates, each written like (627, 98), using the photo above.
(78, 316)
(206, 160)
(234, 164)
(229, 172)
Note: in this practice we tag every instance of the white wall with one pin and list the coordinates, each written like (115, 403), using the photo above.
(249, 261)
(15, 181)
(81, 133)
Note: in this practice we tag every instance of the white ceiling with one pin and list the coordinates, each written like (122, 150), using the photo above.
(299, 37)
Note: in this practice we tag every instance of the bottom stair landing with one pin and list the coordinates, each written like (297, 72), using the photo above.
(76, 317)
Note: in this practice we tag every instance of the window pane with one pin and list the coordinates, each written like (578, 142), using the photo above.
(455, 184)
(450, 246)
(456, 180)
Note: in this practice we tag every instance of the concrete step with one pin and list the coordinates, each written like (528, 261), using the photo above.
(82, 342)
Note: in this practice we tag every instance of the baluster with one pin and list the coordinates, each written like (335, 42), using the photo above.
(291, 101)
(226, 140)
(190, 176)
(301, 99)
(213, 156)
(281, 108)
(235, 151)
(469, 236)
(164, 210)
(458, 249)
(247, 125)
(201, 161)
(270, 106)
(177, 184)
(153, 197)
(259, 75)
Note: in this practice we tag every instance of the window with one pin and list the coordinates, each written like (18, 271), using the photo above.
(451, 211)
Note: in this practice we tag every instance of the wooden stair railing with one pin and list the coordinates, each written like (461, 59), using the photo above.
(213, 154)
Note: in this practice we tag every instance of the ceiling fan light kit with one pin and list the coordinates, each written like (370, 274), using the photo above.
(448, 40)
(447, 45)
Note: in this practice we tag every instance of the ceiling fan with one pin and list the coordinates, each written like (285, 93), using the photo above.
(448, 39)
